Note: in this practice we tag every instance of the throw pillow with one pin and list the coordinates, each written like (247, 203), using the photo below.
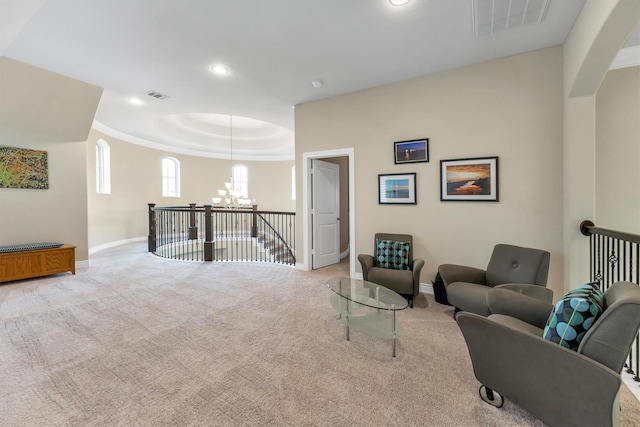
(28, 247)
(573, 315)
(392, 254)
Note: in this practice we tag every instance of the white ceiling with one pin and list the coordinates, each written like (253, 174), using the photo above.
(274, 50)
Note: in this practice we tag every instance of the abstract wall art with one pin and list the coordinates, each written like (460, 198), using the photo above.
(23, 168)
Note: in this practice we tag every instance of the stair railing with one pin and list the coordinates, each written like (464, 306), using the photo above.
(615, 256)
(281, 233)
(209, 233)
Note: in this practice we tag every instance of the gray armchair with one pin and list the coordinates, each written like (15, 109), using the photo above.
(560, 386)
(404, 282)
(519, 269)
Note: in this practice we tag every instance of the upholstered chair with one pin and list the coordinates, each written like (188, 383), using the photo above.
(523, 270)
(392, 265)
(516, 354)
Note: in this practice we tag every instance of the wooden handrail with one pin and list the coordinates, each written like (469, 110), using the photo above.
(588, 228)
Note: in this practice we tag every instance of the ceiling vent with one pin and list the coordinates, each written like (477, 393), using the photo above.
(494, 16)
(157, 95)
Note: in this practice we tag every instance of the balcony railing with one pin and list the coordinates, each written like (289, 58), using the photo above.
(208, 233)
(615, 256)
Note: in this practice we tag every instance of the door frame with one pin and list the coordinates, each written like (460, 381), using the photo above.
(307, 231)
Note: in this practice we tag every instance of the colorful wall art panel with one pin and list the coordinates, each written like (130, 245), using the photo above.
(23, 168)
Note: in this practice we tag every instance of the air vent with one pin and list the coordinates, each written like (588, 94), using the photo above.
(157, 95)
(493, 16)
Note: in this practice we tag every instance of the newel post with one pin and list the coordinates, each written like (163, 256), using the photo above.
(152, 228)
(193, 230)
(254, 222)
(208, 234)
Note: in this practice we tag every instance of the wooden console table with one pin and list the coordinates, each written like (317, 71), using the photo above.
(37, 262)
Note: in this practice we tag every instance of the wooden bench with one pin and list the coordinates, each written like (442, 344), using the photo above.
(25, 264)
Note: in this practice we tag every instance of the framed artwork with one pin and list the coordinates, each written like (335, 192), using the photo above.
(23, 168)
(473, 180)
(397, 189)
(413, 151)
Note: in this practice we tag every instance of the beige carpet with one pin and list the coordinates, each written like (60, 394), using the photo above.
(135, 340)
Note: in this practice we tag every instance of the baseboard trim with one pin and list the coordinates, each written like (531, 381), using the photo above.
(98, 248)
(83, 264)
(425, 288)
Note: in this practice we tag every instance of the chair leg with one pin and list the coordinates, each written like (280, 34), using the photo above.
(490, 396)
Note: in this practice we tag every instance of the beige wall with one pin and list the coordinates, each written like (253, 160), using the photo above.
(136, 181)
(46, 111)
(269, 183)
(40, 106)
(511, 108)
(58, 214)
(618, 151)
(601, 29)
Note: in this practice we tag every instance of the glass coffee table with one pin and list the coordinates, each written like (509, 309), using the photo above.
(367, 307)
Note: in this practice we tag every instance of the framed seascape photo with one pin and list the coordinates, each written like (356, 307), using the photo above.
(413, 151)
(469, 179)
(397, 189)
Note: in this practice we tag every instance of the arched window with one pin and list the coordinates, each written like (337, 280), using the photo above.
(103, 167)
(293, 182)
(240, 180)
(170, 177)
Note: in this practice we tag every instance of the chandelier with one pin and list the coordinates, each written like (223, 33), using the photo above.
(231, 195)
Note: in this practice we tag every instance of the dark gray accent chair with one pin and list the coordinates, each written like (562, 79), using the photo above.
(403, 282)
(519, 269)
(560, 386)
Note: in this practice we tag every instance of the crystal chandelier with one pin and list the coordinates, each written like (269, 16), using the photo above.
(232, 197)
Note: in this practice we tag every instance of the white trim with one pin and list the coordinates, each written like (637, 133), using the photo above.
(100, 127)
(306, 202)
(95, 249)
(83, 264)
(627, 57)
(103, 167)
(170, 164)
(424, 288)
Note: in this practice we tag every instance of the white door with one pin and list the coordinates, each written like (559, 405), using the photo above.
(325, 213)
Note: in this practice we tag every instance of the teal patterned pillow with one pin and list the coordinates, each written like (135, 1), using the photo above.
(591, 290)
(573, 315)
(392, 254)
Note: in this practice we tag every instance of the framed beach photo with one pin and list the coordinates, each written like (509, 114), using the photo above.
(474, 180)
(397, 189)
(413, 151)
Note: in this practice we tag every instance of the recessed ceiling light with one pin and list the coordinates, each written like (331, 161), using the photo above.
(220, 69)
(399, 2)
(317, 83)
(135, 101)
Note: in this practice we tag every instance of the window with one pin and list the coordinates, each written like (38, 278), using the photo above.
(293, 182)
(103, 167)
(240, 180)
(170, 177)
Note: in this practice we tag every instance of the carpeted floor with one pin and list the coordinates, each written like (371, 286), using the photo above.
(136, 340)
